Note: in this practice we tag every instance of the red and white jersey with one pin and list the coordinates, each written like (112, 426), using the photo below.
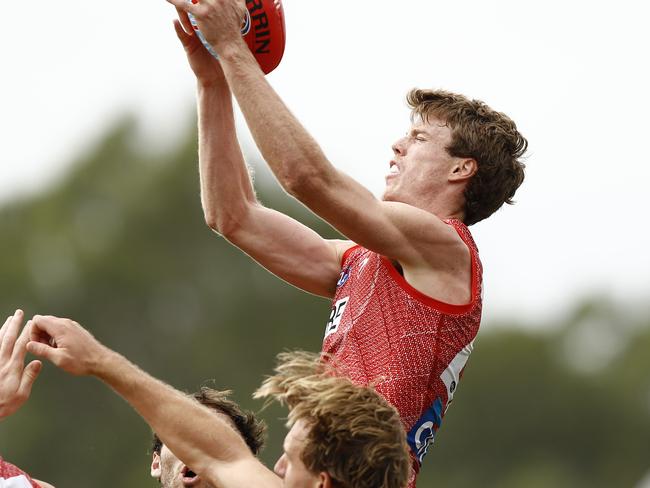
(412, 348)
(12, 477)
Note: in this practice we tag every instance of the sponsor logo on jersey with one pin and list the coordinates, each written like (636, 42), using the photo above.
(423, 433)
(343, 277)
(335, 316)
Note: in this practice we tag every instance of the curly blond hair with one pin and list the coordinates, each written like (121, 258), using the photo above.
(355, 435)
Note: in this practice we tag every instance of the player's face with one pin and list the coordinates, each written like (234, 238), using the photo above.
(421, 165)
(172, 473)
(290, 467)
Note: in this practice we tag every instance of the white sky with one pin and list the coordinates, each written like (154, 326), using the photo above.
(573, 75)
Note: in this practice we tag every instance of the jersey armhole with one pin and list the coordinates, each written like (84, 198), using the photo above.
(441, 306)
(347, 252)
(475, 262)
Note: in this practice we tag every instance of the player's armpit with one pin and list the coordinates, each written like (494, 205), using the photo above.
(289, 249)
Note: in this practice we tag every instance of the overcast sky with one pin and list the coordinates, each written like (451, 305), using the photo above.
(573, 75)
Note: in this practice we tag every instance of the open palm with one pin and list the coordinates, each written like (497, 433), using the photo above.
(16, 379)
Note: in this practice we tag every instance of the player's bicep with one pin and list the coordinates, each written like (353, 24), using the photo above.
(290, 250)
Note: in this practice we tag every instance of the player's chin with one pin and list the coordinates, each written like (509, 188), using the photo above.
(388, 196)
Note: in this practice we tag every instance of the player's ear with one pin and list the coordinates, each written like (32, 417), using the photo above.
(324, 480)
(463, 169)
(156, 470)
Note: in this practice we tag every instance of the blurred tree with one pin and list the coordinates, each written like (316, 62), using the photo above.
(120, 245)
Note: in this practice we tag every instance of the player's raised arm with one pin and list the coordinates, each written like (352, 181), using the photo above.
(281, 244)
(392, 229)
(202, 439)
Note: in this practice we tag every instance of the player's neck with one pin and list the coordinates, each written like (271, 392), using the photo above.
(446, 209)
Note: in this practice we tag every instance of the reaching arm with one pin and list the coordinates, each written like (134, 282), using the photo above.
(409, 235)
(279, 243)
(198, 436)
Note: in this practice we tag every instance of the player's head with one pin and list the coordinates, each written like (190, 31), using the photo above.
(478, 135)
(341, 435)
(172, 473)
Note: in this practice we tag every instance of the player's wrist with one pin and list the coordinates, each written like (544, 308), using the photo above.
(104, 363)
(236, 52)
(212, 84)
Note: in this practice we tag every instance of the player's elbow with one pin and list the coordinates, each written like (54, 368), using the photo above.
(304, 170)
(304, 183)
(212, 222)
(224, 224)
(230, 222)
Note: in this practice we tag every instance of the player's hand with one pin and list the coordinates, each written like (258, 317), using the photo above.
(16, 380)
(219, 20)
(205, 66)
(66, 344)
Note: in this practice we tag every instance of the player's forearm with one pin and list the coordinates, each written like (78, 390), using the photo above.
(226, 187)
(292, 154)
(195, 434)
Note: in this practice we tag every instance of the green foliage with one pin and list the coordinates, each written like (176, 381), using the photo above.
(120, 246)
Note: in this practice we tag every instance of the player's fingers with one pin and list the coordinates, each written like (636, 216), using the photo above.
(20, 349)
(10, 335)
(185, 6)
(4, 327)
(43, 350)
(183, 36)
(185, 21)
(48, 325)
(30, 374)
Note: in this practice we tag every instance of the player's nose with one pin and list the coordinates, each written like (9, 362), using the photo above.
(398, 147)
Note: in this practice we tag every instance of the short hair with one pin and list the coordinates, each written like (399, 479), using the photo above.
(252, 430)
(489, 137)
(354, 434)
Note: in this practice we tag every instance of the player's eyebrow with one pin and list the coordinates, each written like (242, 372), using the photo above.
(417, 132)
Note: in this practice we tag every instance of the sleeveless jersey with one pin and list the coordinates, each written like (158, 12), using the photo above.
(410, 347)
(12, 477)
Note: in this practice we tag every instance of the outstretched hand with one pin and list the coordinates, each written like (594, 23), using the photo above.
(206, 68)
(16, 379)
(66, 344)
(219, 20)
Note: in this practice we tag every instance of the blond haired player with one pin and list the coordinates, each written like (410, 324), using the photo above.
(342, 435)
